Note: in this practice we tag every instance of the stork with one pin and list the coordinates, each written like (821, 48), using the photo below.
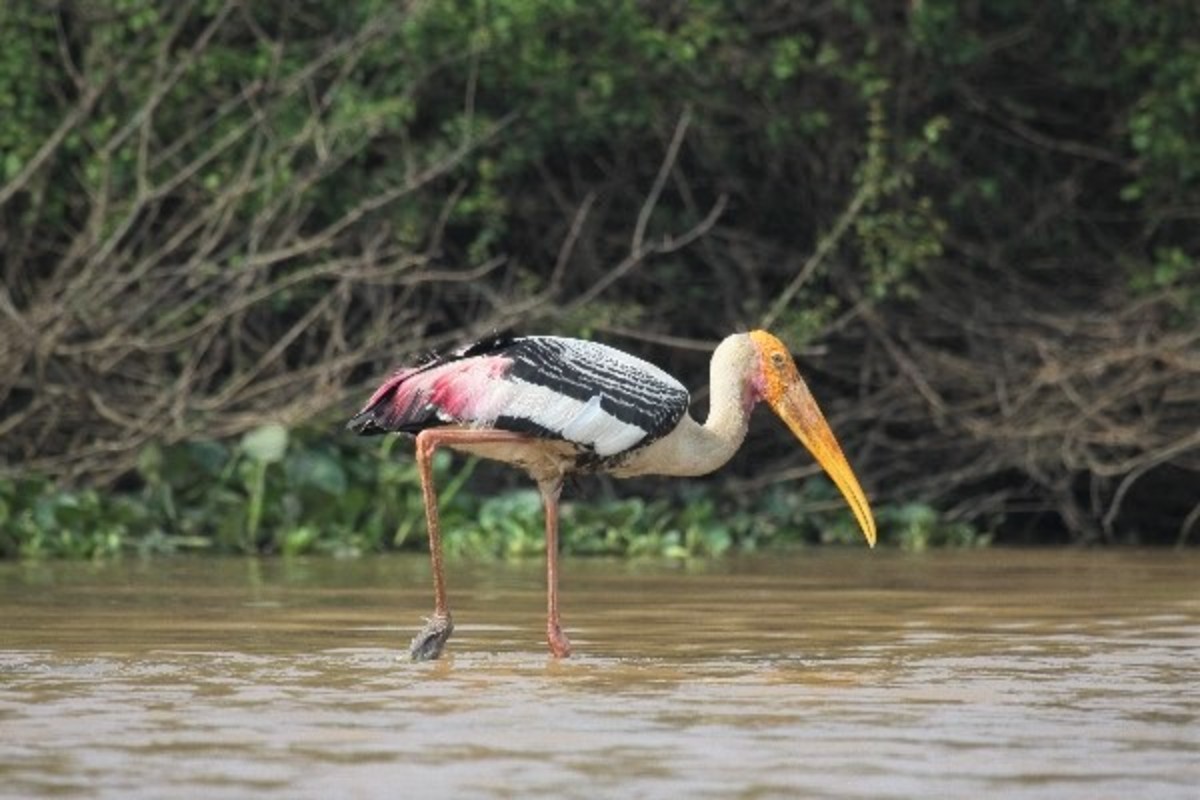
(555, 406)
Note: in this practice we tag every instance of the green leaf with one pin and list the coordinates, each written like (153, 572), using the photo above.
(266, 444)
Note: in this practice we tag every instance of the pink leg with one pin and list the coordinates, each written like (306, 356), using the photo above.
(560, 646)
(428, 643)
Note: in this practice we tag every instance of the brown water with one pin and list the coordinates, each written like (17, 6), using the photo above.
(848, 674)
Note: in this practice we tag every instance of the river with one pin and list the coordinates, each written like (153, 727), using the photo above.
(824, 673)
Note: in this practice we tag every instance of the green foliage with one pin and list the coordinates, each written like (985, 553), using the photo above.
(606, 83)
(1104, 98)
(291, 492)
(38, 521)
(208, 205)
(26, 82)
(511, 525)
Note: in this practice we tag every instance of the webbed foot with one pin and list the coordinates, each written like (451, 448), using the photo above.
(428, 643)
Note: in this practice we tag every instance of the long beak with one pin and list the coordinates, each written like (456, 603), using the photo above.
(797, 408)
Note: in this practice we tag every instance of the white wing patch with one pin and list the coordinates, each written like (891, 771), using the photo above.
(607, 434)
(581, 425)
(584, 423)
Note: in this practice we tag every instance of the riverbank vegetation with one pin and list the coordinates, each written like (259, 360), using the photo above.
(222, 222)
(276, 492)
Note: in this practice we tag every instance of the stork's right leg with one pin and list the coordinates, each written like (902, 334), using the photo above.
(428, 643)
(432, 638)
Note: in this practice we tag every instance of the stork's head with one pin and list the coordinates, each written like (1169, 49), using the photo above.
(778, 382)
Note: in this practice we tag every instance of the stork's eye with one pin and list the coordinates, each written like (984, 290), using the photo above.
(777, 359)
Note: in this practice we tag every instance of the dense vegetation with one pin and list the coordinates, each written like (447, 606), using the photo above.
(976, 224)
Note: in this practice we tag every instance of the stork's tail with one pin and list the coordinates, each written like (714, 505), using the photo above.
(366, 423)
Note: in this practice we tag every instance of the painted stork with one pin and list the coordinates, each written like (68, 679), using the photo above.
(555, 406)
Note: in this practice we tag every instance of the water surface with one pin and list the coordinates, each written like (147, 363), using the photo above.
(841, 674)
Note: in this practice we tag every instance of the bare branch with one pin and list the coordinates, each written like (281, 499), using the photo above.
(660, 180)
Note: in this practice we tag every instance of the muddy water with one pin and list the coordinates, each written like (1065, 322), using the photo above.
(825, 674)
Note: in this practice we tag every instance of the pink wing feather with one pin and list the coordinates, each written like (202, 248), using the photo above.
(465, 391)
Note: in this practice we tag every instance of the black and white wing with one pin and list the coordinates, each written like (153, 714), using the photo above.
(592, 395)
(603, 401)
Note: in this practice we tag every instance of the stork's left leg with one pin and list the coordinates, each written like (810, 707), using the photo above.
(560, 646)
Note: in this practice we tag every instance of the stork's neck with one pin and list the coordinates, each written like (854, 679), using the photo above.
(731, 399)
(695, 449)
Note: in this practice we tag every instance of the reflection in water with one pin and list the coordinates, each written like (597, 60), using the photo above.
(844, 674)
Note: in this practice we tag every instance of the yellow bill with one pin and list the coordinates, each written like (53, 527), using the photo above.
(789, 397)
